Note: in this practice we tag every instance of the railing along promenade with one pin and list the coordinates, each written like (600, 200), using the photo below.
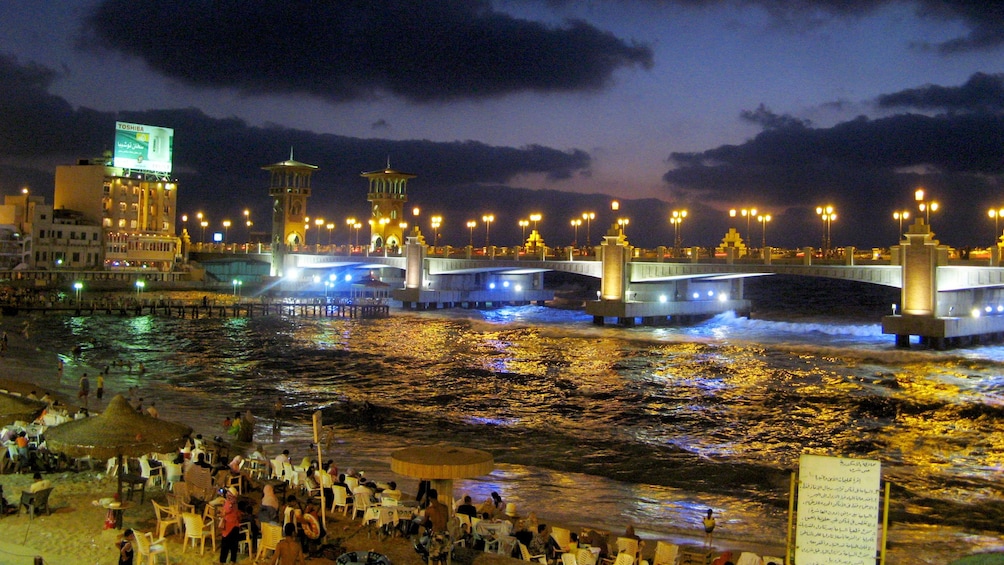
(207, 309)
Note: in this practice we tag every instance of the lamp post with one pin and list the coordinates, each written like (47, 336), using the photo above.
(575, 231)
(237, 286)
(226, 231)
(357, 225)
(350, 222)
(184, 222)
(622, 223)
(763, 219)
(247, 223)
(487, 219)
(437, 221)
(996, 214)
(676, 218)
(925, 206)
(330, 227)
(588, 217)
(77, 287)
(827, 214)
(471, 224)
(902, 215)
(140, 284)
(748, 213)
(535, 218)
(202, 223)
(318, 222)
(522, 230)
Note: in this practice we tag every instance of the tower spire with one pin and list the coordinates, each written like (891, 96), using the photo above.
(290, 152)
(388, 162)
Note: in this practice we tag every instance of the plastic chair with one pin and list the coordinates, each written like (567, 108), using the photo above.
(271, 535)
(35, 502)
(151, 548)
(749, 558)
(166, 517)
(569, 559)
(340, 499)
(196, 528)
(525, 552)
(151, 473)
(666, 553)
(586, 557)
(563, 538)
(172, 474)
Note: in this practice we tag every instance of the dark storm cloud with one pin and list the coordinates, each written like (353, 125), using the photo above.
(981, 93)
(344, 50)
(868, 167)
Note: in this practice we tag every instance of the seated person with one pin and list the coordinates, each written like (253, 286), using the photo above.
(200, 460)
(543, 544)
(39, 484)
(269, 511)
(466, 507)
(391, 492)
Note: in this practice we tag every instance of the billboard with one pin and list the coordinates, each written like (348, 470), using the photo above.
(143, 148)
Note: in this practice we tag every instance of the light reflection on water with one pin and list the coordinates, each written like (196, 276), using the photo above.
(648, 425)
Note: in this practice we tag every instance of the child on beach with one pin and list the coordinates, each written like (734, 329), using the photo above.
(709, 527)
(125, 548)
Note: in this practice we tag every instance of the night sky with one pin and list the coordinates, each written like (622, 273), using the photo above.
(521, 106)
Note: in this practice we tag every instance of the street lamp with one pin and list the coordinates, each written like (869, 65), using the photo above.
(748, 213)
(535, 218)
(623, 223)
(350, 222)
(487, 219)
(184, 222)
(237, 285)
(319, 222)
(330, 227)
(924, 205)
(522, 230)
(436, 222)
(357, 225)
(827, 214)
(575, 231)
(996, 215)
(902, 215)
(763, 219)
(676, 219)
(247, 222)
(226, 231)
(471, 224)
(588, 217)
(77, 287)
(140, 284)
(202, 223)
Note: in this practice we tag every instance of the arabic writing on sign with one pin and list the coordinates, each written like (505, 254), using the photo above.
(838, 511)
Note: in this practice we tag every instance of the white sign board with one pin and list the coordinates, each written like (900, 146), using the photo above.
(838, 511)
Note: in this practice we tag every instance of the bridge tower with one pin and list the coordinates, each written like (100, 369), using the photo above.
(388, 191)
(289, 187)
(615, 252)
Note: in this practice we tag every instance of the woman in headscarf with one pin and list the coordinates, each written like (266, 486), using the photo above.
(269, 511)
(230, 531)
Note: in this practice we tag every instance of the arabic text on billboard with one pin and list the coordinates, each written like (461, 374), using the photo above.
(143, 148)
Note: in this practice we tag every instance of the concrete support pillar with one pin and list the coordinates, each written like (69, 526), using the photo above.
(995, 256)
(767, 252)
(730, 255)
(919, 258)
(807, 253)
(695, 254)
(414, 253)
(849, 255)
(660, 254)
(615, 253)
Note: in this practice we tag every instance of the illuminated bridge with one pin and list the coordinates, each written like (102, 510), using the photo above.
(945, 304)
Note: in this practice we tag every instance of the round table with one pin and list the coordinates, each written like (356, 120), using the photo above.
(118, 510)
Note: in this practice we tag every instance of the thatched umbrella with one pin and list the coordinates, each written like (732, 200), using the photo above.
(13, 408)
(120, 431)
(441, 464)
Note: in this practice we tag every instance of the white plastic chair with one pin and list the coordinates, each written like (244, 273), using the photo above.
(542, 559)
(341, 499)
(563, 538)
(749, 558)
(150, 548)
(271, 535)
(197, 528)
(666, 553)
(150, 473)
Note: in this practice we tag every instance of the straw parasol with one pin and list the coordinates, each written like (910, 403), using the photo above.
(13, 408)
(119, 431)
(441, 464)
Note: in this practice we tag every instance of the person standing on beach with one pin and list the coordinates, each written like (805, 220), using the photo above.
(85, 388)
(100, 392)
(709, 527)
(125, 548)
(230, 529)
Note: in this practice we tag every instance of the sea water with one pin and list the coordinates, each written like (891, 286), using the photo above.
(599, 426)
